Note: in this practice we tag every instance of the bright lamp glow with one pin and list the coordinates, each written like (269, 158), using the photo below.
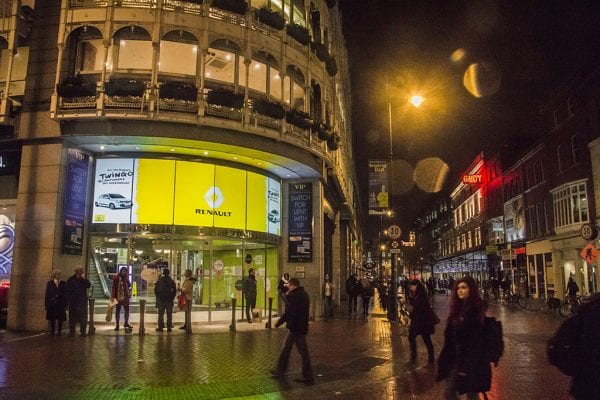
(416, 101)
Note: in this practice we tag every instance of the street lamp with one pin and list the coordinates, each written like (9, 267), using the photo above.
(416, 102)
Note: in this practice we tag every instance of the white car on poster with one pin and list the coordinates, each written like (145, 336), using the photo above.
(112, 201)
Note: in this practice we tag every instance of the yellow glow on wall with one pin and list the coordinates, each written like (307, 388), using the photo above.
(257, 207)
(230, 209)
(153, 192)
(192, 183)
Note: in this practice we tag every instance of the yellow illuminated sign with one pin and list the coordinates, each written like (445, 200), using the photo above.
(230, 198)
(192, 185)
(257, 202)
(153, 192)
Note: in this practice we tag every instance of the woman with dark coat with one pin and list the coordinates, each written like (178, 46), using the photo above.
(56, 303)
(462, 361)
(421, 320)
(121, 290)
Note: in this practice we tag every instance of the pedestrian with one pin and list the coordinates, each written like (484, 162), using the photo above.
(165, 291)
(450, 285)
(56, 303)
(572, 288)
(366, 294)
(187, 289)
(430, 287)
(422, 320)
(296, 319)
(462, 361)
(282, 287)
(121, 291)
(250, 294)
(575, 347)
(328, 292)
(77, 299)
(352, 289)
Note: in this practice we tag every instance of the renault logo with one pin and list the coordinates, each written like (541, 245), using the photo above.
(214, 197)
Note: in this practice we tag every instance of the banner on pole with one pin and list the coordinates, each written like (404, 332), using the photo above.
(378, 187)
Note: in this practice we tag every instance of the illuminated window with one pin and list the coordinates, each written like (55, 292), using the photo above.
(220, 66)
(178, 58)
(570, 204)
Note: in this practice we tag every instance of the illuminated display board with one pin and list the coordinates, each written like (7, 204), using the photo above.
(152, 191)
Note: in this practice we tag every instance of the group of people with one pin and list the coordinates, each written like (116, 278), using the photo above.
(359, 287)
(71, 295)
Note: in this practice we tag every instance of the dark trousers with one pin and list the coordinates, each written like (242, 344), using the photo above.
(352, 303)
(284, 357)
(250, 305)
(366, 300)
(79, 317)
(412, 341)
(168, 307)
(125, 306)
(328, 306)
(53, 326)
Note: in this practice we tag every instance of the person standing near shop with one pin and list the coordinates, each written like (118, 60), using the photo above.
(56, 302)
(121, 291)
(250, 294)
(165, 291)
(77, 299)
(328, 291)
(296, 317)
(187, 289)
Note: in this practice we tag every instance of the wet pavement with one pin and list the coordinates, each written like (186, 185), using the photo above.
(352, 359)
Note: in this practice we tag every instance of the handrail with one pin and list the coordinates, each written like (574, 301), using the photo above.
(102, 275)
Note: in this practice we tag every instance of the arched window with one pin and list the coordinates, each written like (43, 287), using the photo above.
(223, 61)
(178, 53)
(293, 88)
(86, 51)
(264, 75)
(134, 48)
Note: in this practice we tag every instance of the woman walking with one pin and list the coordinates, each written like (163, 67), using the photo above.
(462, 361)
(421, 320)
(56, 303)
(121, 291)
(328, 290)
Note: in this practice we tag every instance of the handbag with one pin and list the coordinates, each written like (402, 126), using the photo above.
(181, 301)
(109, 310)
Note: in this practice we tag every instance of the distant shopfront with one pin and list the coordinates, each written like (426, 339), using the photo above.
(216, 220)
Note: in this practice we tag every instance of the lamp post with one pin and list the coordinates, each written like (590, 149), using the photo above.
(416, 102)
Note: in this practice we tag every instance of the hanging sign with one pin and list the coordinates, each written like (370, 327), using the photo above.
(378, 187)
(75, 202)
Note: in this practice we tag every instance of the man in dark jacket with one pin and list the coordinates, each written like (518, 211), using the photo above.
(296, 317)
(250, 293)
(76, 290)
(353, 290)
(165, 291)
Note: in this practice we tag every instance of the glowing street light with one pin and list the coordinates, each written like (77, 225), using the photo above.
(416, 100)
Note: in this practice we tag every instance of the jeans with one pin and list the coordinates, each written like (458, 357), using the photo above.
(366, 302)
(125, 306)
(328, 306)
(168, 307)
(412, 341)
(284, 357)
(450, 392)
(250, 305)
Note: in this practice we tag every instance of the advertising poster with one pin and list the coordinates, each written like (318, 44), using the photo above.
(7, 240)
(193, 195)
(113, 191)
(274, 206)
(153, 185)
(378, 187)
(257, 204)
(300, 224)
(75, 202)
(514, 219)
(227, 198)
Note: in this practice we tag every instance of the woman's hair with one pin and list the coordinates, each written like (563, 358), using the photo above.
(474, 301)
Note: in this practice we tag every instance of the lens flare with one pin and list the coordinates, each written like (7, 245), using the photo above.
(482, 79)
(430, 174)
(458, 55)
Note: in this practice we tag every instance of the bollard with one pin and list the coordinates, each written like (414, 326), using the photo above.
(142, 330)
(268, 326)
(232, 327)
(188, 317)
(92, 327)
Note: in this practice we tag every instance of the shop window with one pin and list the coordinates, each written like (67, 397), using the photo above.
(220, 66)
(177, 58)
(275, 84)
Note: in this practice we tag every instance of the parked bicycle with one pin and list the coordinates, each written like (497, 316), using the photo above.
(571, 305)
(513, 299)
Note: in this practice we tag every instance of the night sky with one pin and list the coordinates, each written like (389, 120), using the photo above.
(529, 48)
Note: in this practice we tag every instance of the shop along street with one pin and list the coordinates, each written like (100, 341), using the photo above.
(353, 358)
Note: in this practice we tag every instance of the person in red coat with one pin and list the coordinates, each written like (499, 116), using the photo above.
(121, 291)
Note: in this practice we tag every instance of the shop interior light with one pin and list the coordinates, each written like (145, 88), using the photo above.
(158, 250)
(172, 149)
(105, 259)
(205, 153)
(139, 252)
(102, 147)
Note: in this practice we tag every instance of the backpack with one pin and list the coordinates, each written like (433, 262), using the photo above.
(564, 349)
(493, 339)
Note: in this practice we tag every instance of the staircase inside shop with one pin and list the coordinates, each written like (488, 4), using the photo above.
(97, 275)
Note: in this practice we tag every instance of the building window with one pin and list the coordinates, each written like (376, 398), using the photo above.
(469, 240)
(570, 204)
(477, 236)
(574, 149)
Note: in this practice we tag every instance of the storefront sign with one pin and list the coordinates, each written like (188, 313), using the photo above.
(300, 225)
(75, 202)
(472, 178)
(378, 186)
(151, 191)
(491, 249)
(589, 232)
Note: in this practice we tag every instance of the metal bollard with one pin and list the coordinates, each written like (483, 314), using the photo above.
(188, 316)
(232, 327)
(142, 330)
(268, 325)
(92, 327)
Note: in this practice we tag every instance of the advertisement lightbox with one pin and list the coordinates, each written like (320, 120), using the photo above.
(113, 186)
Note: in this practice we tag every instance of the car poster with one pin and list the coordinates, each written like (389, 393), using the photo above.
(113, 186)
(274, 206)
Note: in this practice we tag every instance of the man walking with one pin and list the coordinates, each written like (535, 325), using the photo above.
(352, 289)
(250, 294)
(76, 290)
(165, 291)
(296, 318)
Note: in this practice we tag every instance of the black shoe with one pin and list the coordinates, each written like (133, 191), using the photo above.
(117, 328)
(182, 327)
(159, 329)
(276, 374)
(128, 326)
(306, 381)
(83, 335)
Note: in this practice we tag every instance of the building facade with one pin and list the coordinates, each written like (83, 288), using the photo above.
(205, 135)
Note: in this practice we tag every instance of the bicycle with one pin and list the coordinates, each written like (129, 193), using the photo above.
(514, 299)
(571, 305)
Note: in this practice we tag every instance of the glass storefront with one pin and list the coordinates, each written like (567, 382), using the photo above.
(216, 220)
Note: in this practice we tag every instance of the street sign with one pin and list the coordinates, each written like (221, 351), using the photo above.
(394, 232)
(589, 253)
(395, 251)
(395, 244)
(589, 232)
